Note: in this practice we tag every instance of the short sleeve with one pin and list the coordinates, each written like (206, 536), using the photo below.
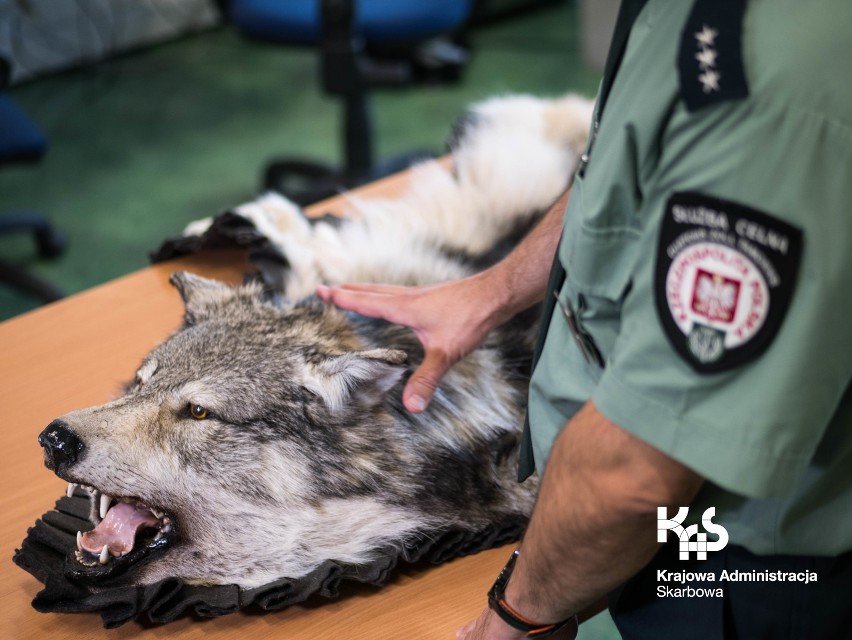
(747, 169)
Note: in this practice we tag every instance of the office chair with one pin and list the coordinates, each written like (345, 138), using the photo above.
(22, 141)
(408, 32)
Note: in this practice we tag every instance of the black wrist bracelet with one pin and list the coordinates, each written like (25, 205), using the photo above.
(497, 602)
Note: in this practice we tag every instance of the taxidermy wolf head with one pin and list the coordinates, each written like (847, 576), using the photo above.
(262, 439)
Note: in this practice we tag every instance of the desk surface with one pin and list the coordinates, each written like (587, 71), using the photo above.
(77, 353)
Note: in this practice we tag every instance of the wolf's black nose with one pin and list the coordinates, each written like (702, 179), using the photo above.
(61, 445)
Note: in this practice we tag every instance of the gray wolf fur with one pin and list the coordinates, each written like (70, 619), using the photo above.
(267, 434)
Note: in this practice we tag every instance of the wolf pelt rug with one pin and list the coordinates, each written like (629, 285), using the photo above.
(262, 452)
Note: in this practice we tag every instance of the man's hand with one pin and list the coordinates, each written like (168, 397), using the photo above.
(489, 626)
(450, 320)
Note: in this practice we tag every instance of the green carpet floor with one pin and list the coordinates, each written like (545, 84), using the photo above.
(144, 143)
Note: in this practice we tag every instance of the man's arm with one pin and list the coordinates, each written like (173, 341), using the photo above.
(451, 319)
(594, 525)
(524, 272)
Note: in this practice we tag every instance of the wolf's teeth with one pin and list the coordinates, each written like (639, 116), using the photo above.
(79, 541)
(158, 536)
(157, 513)
(70, 490)
(105, 501)
(104, 557)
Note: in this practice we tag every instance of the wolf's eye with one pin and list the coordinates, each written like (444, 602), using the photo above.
(197, 411)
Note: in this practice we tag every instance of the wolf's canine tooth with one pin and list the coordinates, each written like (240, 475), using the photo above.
(104, 557)
(79, 541)
(70, 490)
(104, 507)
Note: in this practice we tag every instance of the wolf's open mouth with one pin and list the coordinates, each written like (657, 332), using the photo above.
(129, 530)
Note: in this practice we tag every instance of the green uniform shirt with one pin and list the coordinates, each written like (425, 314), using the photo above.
(773, 433)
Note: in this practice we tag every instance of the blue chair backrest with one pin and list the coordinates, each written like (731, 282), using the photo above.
(20, 137)
(298, 21)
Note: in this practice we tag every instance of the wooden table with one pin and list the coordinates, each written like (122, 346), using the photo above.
(77, 353)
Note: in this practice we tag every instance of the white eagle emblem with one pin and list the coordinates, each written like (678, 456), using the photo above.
(715, 296)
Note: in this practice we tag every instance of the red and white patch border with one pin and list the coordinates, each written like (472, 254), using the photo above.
(738, 278)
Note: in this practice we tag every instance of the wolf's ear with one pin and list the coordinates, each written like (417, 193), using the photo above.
(201, 297)
(360, 376)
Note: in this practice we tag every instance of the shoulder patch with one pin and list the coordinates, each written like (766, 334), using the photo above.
(710, 64)
(724, 278)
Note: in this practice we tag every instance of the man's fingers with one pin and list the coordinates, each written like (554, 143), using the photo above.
(328, 292)
(464, 631)
(424, 381)
(366, 302)
(391, 303)
(372, 287)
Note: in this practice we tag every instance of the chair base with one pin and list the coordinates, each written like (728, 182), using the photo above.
(49, 244)
(305, 182)
(20, 279)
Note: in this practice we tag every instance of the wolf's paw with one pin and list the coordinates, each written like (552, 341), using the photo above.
(274, 215)
(284, 224)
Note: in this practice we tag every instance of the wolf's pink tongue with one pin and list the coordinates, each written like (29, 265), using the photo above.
(118, 529)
